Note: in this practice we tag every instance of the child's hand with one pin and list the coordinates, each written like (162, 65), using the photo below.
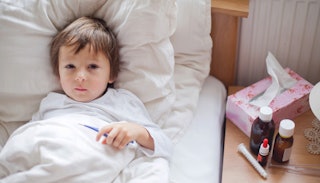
(120, 134)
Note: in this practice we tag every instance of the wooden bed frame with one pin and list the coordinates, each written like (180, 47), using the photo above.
(225, 22)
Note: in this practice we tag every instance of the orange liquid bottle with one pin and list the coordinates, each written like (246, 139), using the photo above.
(283, 141)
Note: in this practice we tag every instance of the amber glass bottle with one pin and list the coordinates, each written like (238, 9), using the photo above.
(283, 141)
(263, 127)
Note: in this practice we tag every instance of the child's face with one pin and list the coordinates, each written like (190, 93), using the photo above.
(83, 76)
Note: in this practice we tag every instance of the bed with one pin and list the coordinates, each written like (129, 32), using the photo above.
(166, 46)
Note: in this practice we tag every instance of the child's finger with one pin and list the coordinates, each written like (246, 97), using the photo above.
(102, 132)
(121, 140)
(112, 135)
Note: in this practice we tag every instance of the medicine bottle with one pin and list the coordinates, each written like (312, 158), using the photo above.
(283, 141)
(263, 127)
(262, 157)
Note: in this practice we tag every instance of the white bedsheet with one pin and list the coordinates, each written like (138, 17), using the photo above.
(60, 150)
(198, 156)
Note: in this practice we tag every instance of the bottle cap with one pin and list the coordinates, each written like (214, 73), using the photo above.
(265, 114)
(264, 148)
(286, 128)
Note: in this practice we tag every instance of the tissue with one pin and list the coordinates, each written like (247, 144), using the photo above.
(283, 90)
(281, 81)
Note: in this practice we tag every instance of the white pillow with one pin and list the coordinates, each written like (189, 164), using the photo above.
(25, 73)
(142, 26)
(192, 44)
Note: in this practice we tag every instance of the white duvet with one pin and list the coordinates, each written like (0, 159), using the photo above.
(60, 150)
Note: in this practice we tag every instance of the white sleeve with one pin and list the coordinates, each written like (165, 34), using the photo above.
(163, 145)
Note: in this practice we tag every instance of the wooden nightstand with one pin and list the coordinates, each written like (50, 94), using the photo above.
(237, 169)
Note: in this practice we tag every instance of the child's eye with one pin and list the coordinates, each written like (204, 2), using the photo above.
(69, 66)
(93, 66)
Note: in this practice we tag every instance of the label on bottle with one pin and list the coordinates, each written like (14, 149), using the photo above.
(262, 160)
(286, 154)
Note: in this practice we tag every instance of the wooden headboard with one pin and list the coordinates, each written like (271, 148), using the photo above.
(225, 22)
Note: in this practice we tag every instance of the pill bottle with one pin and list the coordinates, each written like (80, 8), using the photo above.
(263, 127)
(283, 141)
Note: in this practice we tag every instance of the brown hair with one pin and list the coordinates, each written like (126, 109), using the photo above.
(83, 31)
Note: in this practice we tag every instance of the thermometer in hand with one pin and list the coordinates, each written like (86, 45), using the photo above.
(97, 130)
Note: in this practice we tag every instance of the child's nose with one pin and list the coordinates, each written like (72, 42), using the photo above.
(81, 76)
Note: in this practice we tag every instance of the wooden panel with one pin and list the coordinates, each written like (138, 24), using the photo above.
(224, 32)
(239, 8)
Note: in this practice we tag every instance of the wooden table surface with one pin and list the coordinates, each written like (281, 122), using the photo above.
(237, 169)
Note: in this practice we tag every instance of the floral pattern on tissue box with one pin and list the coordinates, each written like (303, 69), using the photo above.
(286, 105)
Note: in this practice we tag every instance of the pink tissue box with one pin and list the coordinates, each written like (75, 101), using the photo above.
(288, 104)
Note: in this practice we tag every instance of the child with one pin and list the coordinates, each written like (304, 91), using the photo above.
(84, 56)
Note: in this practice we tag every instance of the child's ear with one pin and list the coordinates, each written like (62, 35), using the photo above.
(112, 79)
